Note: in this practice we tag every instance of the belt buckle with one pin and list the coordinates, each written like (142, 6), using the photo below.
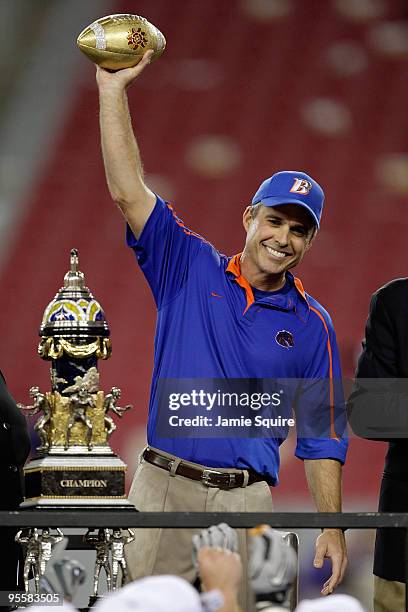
(206, 476)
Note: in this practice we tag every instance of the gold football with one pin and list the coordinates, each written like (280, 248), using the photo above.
(120, 41)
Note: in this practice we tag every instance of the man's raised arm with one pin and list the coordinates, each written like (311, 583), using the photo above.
(123, 165)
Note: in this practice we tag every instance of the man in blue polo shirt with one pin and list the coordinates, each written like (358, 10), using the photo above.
(244, 317)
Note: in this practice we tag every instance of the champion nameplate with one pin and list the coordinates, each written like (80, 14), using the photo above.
(83, 483)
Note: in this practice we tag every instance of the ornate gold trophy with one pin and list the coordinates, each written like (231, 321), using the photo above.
(75, 465)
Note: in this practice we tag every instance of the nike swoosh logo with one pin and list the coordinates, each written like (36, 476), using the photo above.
(214, 294)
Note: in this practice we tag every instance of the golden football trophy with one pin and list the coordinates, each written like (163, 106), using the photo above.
(120, 41)
(75, 465)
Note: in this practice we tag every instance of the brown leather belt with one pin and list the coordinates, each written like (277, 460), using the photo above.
(208, 476)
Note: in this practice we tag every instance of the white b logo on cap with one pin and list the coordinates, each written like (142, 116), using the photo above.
(301, 186)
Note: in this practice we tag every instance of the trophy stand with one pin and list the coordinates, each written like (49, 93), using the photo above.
(75, 465)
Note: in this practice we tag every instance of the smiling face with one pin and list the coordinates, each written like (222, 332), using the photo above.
(277, 239)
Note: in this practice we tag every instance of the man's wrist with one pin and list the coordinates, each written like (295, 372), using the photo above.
(112, 91)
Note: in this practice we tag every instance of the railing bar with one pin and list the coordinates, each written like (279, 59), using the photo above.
(178, 520)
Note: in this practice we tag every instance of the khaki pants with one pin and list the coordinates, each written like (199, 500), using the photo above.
(389, 595)
(168, 551)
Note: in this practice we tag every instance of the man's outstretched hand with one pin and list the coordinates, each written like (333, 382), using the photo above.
(331, 544)
(121, 79)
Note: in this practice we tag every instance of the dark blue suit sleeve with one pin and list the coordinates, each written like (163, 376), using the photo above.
(377, 406)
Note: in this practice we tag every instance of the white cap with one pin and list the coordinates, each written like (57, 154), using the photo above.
(331, 603)
(152, 594)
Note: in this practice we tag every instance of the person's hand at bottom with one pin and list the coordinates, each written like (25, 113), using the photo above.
(221, 569)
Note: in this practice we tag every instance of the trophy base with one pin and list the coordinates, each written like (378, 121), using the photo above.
(84, 478)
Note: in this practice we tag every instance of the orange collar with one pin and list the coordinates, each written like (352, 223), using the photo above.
(234, 266)
(299, 287)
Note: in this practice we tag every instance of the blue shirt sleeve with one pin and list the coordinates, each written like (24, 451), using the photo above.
(321, 411)
(166, 250)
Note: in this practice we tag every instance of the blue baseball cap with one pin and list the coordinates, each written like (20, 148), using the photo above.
(290, 187)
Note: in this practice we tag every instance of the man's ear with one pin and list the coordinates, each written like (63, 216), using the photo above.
(247, 218)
